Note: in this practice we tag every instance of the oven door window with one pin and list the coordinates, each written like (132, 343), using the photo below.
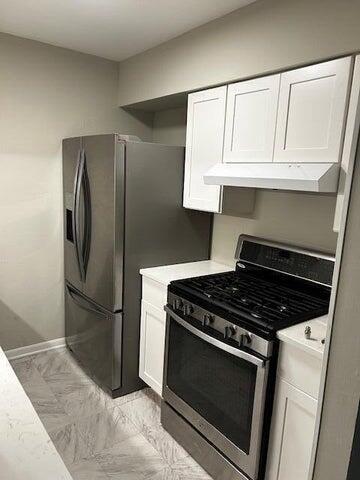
(217, 385)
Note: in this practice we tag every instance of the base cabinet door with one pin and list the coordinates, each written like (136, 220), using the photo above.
(204, 148)
(292, 434)
(152, 342)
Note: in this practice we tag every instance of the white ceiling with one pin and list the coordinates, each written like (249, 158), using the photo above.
(115, 29)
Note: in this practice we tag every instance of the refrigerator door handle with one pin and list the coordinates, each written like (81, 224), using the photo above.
(75, 209)
(84, 181)
(76, 214)
(85, 305)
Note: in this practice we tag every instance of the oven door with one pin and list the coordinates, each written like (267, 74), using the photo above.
(217, 387)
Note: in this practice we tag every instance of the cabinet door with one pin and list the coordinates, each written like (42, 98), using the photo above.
(311, 115)
(152, 341)
(204, 148)
(292, 433)
(251, 120)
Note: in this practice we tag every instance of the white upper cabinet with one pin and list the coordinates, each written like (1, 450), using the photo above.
(204, 148)
(311, 112)
(295, 117)
(251, 120)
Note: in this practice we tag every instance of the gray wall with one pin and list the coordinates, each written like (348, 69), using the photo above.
(300, 218)
(169, 126)
(46, 93)
(262, 37)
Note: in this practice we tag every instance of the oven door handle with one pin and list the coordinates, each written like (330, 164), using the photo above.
(259, 362)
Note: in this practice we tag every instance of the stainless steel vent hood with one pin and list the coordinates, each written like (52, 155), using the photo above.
(309, 177)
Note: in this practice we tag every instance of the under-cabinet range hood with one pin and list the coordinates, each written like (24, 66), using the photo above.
(309, 177)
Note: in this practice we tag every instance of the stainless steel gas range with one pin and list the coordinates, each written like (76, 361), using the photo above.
(221, 351)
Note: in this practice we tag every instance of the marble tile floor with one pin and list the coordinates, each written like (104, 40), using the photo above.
(100, 438)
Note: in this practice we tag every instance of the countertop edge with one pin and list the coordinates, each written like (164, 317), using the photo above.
(24, 442)
(294, 336)
(158, 273)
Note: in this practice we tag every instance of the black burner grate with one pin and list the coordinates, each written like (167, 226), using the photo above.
(256, 297)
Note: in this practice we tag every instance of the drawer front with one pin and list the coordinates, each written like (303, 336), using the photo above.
(154, 292)
(300, 369)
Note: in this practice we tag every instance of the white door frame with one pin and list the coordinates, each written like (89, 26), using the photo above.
(352, 136)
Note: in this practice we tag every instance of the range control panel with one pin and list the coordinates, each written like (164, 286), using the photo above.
(294, 261)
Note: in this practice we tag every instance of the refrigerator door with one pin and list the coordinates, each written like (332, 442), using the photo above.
(104, 166)
(93, 334)
(72, 227)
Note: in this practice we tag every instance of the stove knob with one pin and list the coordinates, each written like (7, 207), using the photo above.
(177, 304)
(188, 309)
(207, 319)
(245, 339)
(229, 331)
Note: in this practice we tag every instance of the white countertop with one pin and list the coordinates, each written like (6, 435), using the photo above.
(26, 451)
(168, 273)
(295, 336)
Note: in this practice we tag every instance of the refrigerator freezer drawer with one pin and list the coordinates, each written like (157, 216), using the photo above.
(94, 335)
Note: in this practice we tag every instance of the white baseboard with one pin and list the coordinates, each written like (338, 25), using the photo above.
(36, 348)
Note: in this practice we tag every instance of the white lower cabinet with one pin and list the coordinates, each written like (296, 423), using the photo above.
(293, 432)
(294, 414)
(155, 283)
(152, 338)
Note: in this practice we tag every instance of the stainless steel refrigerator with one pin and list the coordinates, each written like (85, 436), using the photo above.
(122, 211)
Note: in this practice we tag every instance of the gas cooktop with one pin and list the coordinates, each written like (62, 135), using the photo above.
(273, 287)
